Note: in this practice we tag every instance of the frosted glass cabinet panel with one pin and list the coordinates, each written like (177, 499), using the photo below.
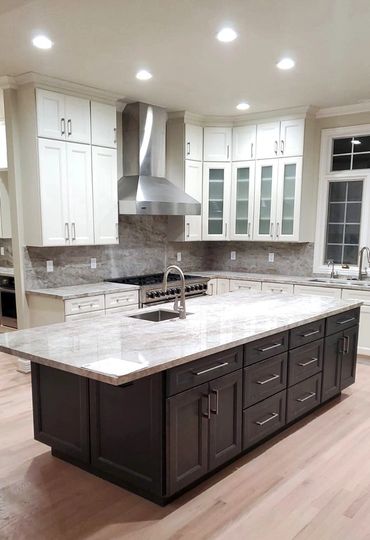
(216, 200)
(288, 200)
(265, 199)
(242, 199)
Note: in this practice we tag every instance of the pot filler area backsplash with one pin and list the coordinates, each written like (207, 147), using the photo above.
(144, 248)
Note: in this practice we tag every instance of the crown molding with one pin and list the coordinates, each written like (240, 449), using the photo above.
(342, 110)
(7, 82)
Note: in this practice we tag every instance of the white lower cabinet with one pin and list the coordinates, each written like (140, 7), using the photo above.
(307, 290)
(285, 288)
(104, 178)
(364, 334)
(243, 284)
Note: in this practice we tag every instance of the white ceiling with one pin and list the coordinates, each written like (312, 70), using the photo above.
(104, 43)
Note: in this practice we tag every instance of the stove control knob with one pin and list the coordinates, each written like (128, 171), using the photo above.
(172, 291)
(196, 287)
(205, 286)
(157, 294)
(187, 288)
(178, 290)
(150, 294)
(162, 293)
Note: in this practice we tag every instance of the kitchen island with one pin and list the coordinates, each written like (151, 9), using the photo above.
(156, 407)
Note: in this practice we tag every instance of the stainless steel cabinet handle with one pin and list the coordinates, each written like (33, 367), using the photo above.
(304, 364)
(188, 148)
(270, 379)
(271, 229)
(188, 230)
(346, 321)
(262, 422)
(69, 127)
(215, 410)
(276, 147)
(227, 151)
(114, 135)
(207, 414)
(310, 333)
(73, 231)
(282, 146)
(219, 366)
(66, 230)
(62, 126)
(270, 347)
(251, 150)
(277, 229)
(310, 396)
(346, 345)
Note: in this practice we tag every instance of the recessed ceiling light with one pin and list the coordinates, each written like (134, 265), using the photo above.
(42, 42)
(226, 35)
(243, 106)
(143, 75)
(286, 63)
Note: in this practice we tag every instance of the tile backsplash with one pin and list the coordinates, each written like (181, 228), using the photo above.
(144, 248)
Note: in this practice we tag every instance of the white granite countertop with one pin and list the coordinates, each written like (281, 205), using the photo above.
(341, 282)
(6, 271)
(80, 291)
(117, 349)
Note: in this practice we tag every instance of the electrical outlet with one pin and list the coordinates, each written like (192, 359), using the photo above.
(2, 251)
(271, 257)
(178, 256)
(233, 255)
(49, 266)
(93, 263)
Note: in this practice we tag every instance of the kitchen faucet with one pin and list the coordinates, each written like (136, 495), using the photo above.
(363, 250)
(333, 273)
(180, 308)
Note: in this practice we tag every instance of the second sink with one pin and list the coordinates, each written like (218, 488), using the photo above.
(156, 316)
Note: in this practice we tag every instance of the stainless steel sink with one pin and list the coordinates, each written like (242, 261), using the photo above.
(158, 315)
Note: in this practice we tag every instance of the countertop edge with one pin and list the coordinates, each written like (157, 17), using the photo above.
(71, 296)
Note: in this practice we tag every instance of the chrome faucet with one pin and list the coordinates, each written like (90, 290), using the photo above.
(180, 308)
(363, 250)
(333, 273)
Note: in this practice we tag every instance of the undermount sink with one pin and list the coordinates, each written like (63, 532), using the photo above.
(158, 315)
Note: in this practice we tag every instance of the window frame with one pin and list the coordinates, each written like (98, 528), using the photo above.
(326, 176)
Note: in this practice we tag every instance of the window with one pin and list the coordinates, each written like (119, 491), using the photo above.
(344, 221)
(351, 153)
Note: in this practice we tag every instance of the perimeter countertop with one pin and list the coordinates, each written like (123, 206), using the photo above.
(117, 349)
(80, 291)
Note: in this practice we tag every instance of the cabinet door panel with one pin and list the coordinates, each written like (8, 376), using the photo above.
(104, 173)
(217, 142)
(331, 374)
(77, 112)
(242, 200)
(216, 201)
(225, 436)
(265, 200)
(193, 142)
(268, 140)
(187, 434)
(80, 194)
(291, 137)
(53, 193)
(193, 186)
(244, 143)
(51, 121)
(349, 359)
(288, 199)
(103, 125)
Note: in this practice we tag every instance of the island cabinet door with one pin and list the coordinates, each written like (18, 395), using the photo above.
(127, 434)
(187, 437)
(225, 424)
(332, 366)
(348, 368)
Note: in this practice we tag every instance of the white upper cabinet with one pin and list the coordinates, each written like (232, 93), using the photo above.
(288, 199)
(80, 194)
(242, 200)
(216, 200)
(193, 142)
(104, 172)
(244, 143)
(268, 140)
(3, 151)
(193, 187)
(217, 144)
(103, 125)
(77, 114)
(291, 138)
(265, 199)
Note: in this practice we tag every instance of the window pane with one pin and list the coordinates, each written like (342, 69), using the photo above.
(352, 234)
(336, 212)
(364, 145)
(334, 252)
(355, 191)
(350, 255)
(341, 163)
(342, 146)
(335, 234)
(353, 213)
(361, 161)
(337, 191)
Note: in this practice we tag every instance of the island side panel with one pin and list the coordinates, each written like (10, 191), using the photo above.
(61, 411)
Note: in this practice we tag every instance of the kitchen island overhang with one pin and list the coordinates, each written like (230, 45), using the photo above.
(237, 371)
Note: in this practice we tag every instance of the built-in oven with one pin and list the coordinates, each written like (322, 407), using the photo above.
(8, 308)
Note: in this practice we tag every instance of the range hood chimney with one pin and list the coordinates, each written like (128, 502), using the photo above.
(143, 189)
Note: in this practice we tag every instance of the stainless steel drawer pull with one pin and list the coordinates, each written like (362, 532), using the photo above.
(310, 396)
(346, 321)
(273, 378)
(271, 347)
(304, 364)
(262, 422)
(211, 369)
(310, 333)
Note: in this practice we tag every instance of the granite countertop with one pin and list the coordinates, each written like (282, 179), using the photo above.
(336, 283)
(80, 291)
(6, 271)
(117, 349)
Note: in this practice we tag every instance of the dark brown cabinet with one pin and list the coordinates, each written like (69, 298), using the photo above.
(349, 355)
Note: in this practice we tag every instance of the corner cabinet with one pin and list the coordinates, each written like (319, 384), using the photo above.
(216, 200)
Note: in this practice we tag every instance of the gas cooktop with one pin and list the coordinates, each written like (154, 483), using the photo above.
(149, 279)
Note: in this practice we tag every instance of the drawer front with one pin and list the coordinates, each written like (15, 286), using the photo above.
(305, 361)
(303, 397)
(264, 379)
(84, 305)
(263, 419)
(237, 284)
(264, 348)
(286, 288)
(342, 321)
(114, 300)
(82, 316)
(307, 333)
(189, 375)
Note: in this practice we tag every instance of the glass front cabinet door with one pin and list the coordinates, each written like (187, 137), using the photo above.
(242, 200)
(265, 199)
(216, 201)
(288, 199)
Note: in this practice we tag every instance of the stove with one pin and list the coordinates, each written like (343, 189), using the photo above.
(151, 291)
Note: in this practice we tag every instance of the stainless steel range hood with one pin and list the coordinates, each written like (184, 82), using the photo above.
(143, 189)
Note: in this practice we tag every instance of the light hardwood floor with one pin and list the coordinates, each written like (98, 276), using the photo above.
(312, 482)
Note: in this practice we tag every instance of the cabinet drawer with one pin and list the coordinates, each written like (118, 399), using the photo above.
(237, 284)
(114, 300)
(189, 375)
(286, 288)
(264, 379)
(84, 305)
(263, 419)
(305, 361)
(342, 321)
(307, 333)
(303, 397)
(264, 348)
